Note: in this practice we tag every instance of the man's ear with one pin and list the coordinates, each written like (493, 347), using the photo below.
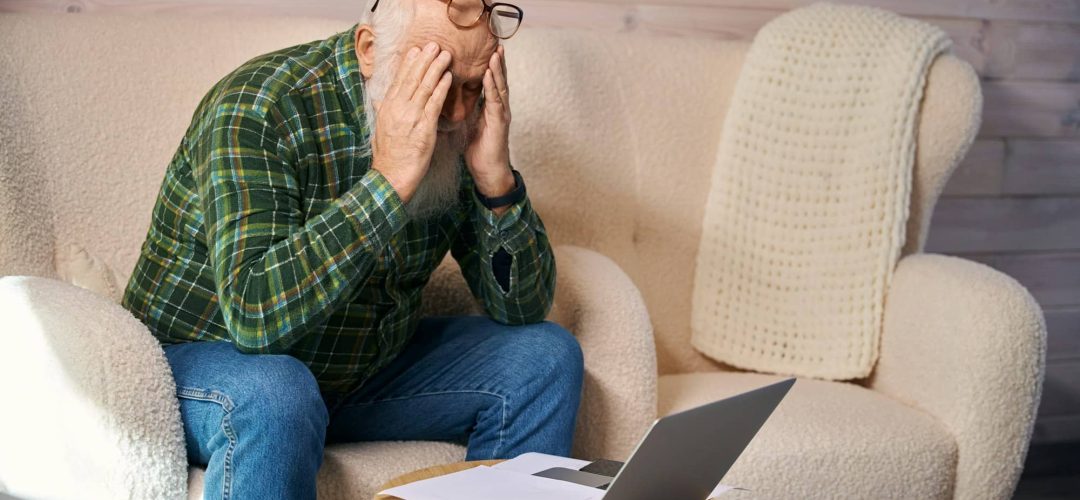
(365, 50)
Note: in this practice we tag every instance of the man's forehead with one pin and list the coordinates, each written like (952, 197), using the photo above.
(470, 48)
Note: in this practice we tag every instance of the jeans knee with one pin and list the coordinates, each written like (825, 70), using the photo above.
(566, 349)
(565, 361)
(286, 394)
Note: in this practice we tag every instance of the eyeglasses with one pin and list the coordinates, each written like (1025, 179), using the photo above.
(503, 19)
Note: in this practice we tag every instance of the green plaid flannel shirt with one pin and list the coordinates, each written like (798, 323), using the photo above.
(273, 232)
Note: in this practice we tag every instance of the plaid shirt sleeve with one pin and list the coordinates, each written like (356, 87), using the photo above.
(521, 234)
(277, 273)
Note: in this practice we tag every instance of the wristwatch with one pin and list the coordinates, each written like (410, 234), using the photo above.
(515, 195)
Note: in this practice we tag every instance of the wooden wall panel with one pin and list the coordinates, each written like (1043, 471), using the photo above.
(1032, 51)
(1024, 10)
(1009, 10)
(1055, 429)
(1042, 168)
(1023, 108)
(965, 225)
(727, 23)
(981, 171)
(995, 48)
(1063, 340)
(1060, 397)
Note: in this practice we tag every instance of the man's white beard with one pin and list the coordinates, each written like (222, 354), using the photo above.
(438, 192)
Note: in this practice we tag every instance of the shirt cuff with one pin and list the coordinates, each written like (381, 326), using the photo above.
(374, 209)
(511, 230)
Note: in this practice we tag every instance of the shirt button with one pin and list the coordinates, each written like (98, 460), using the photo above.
(504, 233)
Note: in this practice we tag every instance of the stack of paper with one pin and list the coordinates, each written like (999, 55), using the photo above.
(510, 479)
(531, 463)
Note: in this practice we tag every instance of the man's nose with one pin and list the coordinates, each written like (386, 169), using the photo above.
(454, 109)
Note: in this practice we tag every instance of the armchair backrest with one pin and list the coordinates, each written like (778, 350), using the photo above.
(616, 136)
(93, 109)
(619, 135)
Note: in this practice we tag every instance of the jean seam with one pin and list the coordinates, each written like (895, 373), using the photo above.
(502, 429)
(226, 427)
(502, 424)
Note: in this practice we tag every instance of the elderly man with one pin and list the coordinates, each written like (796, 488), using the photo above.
(311, 198)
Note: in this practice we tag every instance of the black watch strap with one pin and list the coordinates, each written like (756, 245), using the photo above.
(514, 196)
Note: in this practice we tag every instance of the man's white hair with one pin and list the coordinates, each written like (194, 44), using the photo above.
(391, 20)
(438, 191)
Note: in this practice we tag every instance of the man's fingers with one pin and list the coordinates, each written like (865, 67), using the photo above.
(498, 69)
(434, 105)
(502, 59)
(416, 72)
(491, 93)
(402, 71)
(432, 77)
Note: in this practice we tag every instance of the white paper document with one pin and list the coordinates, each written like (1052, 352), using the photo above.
(720, 489)
(489, 483)
(531, 463)
(510, 479)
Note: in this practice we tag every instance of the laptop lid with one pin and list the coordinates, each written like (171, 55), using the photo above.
(685, 454)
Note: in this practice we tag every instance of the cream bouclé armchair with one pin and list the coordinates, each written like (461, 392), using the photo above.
(616, 137)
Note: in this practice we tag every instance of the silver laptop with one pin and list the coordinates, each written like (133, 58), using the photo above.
(685, 455)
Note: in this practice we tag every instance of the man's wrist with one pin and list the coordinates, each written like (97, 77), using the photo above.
(499, 204)
(500, 185)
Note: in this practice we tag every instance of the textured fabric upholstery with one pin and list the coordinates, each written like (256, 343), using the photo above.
(966, 344)
(828, 440)
(89, 403)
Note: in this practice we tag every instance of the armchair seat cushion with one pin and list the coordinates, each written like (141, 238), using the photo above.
(828, 440)
(356, 470)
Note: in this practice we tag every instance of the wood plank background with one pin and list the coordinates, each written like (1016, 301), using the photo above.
(1014, 204)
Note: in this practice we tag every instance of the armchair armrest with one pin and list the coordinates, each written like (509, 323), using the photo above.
(966, 344)
(597, 301)
(90, 407)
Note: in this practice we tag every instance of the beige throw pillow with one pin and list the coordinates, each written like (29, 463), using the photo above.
(75, 265)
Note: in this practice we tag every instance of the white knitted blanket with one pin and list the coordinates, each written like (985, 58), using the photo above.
(806, 213)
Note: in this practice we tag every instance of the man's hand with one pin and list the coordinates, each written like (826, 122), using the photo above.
(407, 118)
(488, 155)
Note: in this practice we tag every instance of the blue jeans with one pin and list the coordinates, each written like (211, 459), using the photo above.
(258, 422)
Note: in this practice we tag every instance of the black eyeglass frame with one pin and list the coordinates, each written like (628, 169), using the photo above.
(488, 8)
